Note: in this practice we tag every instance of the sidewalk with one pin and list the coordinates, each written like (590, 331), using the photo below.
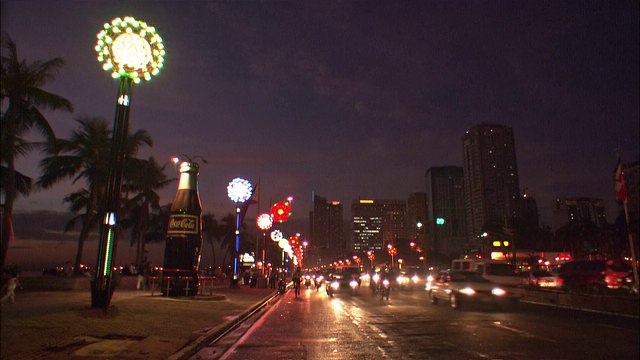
(58, 325)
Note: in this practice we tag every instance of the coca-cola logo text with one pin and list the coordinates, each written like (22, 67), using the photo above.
(183, 224)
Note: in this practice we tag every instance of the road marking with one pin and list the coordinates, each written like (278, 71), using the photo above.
(523, 333)
(618, 328)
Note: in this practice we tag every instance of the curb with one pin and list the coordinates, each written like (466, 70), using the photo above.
(195, 346)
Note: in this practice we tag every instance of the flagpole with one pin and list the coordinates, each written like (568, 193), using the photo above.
(621, 196)
(631, 247)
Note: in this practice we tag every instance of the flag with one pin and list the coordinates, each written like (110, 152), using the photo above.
(254, 199)
(620, 187)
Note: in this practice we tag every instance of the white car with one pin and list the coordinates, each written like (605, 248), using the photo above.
(459, 287)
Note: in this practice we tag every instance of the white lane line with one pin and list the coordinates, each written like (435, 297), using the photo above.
(523, 333)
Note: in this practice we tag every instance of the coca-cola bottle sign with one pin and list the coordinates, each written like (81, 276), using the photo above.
(182, 225)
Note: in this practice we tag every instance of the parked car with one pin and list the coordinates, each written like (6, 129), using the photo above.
(594, 272)
(460, 287)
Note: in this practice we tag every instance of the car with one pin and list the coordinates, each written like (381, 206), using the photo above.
(346, 279)
(541, 278)
(611, 274)
(463, 287)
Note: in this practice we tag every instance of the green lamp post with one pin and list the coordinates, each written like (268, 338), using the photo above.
(131, 50)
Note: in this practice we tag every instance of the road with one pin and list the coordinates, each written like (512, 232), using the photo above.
(315, 326)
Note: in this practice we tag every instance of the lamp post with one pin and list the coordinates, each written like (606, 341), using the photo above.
(239, 191)
(131, 50)
(264, 223)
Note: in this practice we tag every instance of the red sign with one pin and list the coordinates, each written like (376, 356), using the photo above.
(183, 225)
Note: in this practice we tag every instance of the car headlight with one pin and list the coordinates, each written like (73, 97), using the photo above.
(467, 291)
(400, 279)
(429, 278)
(335, 285)
(415, 278)
(385, 282)
(353, 284)
(498, 292)
(376, 277)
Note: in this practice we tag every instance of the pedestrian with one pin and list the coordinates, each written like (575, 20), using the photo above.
(11, 288)
(68, 269)
(143, 274)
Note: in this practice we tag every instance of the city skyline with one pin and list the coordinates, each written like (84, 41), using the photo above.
(356, 100)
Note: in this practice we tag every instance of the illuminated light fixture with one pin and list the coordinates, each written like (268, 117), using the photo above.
(264, 221)
(130, 48)
(294, 240)
(277, 235)
(366, 201)
(239, 190)
(281, 211)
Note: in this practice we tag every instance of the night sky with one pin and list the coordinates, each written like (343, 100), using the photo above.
(355, 99)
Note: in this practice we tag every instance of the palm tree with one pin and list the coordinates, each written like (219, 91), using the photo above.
(21, 87)
(211, 230)
(143, 177)
(86, 156)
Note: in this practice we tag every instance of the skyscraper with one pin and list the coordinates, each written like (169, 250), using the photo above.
(445, 196)
(579, 210)
(417, 213)
(375, 224)
(491, 184)
(328, 242)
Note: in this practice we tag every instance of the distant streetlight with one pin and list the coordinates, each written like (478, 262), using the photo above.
(131, 50)
(239, 191)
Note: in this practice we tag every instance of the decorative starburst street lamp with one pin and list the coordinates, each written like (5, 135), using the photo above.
(264, 222)
(131, 50)
(239, 191)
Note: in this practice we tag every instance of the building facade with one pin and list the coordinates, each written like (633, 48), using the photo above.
(328, 241)
(447, 225)
(491, 185)
(417, 218)
(376, 224)
(579, 210)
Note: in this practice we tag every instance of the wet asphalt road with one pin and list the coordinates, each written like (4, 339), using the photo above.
(407, 326)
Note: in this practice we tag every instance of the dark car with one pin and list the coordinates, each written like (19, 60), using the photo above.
(347, 279)
(594, 272)
(459, 287)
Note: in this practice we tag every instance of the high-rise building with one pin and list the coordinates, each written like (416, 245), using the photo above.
(328, 241)
(491, 184)
(417, 220)
(579, 210)
(375, 224)
(445, 196)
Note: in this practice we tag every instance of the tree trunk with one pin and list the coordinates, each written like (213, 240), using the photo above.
(10, 193)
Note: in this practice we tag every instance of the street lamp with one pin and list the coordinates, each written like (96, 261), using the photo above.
(264, 222)
(131, 50)
(239, 191)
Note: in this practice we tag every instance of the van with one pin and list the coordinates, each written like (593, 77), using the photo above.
(498, 272)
